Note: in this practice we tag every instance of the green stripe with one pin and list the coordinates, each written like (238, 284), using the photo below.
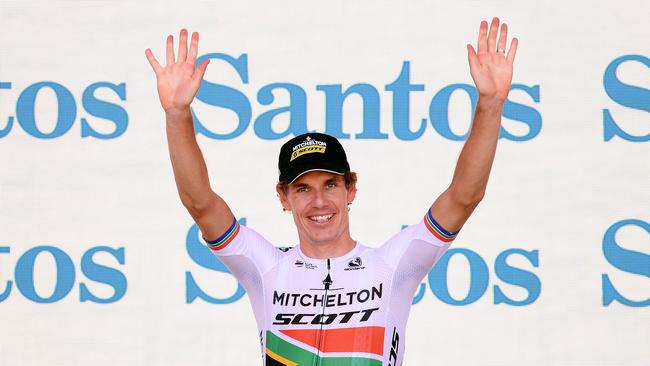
(432, 225)
(288, 350)
(304, 357)
(217, 245)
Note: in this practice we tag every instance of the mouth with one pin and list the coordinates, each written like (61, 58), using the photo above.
(321, 218)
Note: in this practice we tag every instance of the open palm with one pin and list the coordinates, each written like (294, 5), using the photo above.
(179, 80)
(491, 67)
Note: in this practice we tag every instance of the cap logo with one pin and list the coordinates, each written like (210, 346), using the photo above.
(307, 147)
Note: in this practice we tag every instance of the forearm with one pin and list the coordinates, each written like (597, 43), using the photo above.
(475, 161)
(190, 171)
(491, 70)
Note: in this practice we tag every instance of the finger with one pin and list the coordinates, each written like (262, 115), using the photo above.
(152, 61)
(492, 36)
(503, 38)
(200, 71)
(482, 37)
(513, 50)
(170, 50)
(182, 46)
(472, 58)
(194, 48)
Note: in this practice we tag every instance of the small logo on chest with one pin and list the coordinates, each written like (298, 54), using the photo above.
(299, 263)
(355, 264)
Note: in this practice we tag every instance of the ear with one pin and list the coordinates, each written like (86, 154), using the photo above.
(352, 192)
(283, 197)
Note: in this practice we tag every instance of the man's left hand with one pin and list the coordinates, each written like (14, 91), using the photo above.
(491, 66)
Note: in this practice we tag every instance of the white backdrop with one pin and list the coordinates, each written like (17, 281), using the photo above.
(557, 193)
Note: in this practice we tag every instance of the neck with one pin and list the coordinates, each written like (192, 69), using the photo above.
(333, 249)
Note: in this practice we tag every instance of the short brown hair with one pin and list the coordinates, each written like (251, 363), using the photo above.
(350, 179)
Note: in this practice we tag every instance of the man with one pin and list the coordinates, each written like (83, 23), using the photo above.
(330, 300)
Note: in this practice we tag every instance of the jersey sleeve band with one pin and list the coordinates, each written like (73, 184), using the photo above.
(225, 239)
(437, 230)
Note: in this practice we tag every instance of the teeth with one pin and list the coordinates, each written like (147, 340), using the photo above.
(321, 218)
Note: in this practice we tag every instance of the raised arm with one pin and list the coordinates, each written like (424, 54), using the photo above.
(491, 70)
(178, 83)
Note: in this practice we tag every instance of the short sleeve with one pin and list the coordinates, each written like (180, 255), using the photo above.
(418, 247)
(248, 255)
(411, 254)
(242, 246)
(219, 245)
(437, 230)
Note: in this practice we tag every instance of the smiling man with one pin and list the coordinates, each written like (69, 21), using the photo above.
(330, 300)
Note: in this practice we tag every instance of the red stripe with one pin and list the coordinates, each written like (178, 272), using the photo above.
(435, 233)
(360, 339)
(225, 244)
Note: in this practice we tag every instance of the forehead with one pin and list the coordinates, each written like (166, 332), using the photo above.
(316, 177)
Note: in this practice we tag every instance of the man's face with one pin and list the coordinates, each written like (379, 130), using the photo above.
(319, 203)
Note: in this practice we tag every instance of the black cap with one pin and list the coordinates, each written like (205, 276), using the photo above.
(309, 152)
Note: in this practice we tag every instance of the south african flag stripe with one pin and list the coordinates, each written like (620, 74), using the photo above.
(225, 239)
(437, 230)
(297, 348)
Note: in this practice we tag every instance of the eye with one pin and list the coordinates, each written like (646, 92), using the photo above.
(302, 189)
(330, 185)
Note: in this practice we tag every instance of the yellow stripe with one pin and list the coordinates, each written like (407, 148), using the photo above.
(280, 358)
(308, 150)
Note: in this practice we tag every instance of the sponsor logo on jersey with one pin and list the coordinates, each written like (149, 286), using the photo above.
(394, 348)
(283, 249)
(307, 147)
(324, 319)
(299, 263)
(354, 264)
(331, 300)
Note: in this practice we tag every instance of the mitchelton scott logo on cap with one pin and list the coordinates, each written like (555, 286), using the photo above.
(307, 147)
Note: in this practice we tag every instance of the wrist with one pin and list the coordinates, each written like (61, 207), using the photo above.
(490, 103)
(175, 114)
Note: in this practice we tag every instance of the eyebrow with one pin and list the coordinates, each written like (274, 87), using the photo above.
(331, 180)
(299, 185)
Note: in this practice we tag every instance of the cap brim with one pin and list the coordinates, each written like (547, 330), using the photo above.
(309, 166)
(316, 170)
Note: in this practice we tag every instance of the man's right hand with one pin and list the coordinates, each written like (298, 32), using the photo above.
(178, 83)
(179, 80)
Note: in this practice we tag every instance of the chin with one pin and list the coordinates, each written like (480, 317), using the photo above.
(323, 235)
(321, 239)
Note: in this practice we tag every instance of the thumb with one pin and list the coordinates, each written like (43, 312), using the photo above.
(200, 71)
(472, 58)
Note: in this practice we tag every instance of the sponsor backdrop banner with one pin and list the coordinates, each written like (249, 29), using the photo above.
(100, 263)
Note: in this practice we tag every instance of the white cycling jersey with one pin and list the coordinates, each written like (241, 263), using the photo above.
(350, 310)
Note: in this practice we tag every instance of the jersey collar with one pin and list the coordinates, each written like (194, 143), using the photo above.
(358, 248)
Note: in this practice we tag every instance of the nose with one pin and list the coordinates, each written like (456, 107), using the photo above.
(319, 198)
